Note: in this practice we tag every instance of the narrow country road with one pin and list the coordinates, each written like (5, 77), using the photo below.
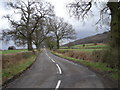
(50, 71)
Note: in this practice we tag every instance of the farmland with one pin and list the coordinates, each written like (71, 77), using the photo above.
(88, 52)
(90, 46)
(12, 51)
(82, 50)
(85, 47)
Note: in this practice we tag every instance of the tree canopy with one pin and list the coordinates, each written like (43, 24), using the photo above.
(32, 13)
(61, 30)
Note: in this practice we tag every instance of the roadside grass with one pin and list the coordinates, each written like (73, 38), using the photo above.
(0, 51)
(83, 50)
(97, 66)
(12, 51)
(0, 75)
(63, 47)
(12, 70)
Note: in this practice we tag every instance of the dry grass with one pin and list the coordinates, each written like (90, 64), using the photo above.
(13, 69)
(13, 64)
(103, 56)
(78, 55)
(10, 59)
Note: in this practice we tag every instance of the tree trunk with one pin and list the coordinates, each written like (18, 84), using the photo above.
(30, 48)
(58, 44)
(115, 30)
(37, 46)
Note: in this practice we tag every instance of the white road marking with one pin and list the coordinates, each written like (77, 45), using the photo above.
(60, 71)
(58, 85)
(91, 75)
(46, 54)
(53, 60)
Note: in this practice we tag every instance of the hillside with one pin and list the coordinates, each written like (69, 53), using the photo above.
(99, 38)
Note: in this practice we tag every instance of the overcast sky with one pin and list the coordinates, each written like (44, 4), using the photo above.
(82, 30)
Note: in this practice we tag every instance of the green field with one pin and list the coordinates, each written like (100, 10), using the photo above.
(12, 51)
(90, 46)
(87, 46)
(83, 50)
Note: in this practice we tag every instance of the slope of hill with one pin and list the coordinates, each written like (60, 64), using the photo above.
(99, 38)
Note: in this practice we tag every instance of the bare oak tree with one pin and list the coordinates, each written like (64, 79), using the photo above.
(61, 30)
(50, 42)
(41, 32)
(31, 14)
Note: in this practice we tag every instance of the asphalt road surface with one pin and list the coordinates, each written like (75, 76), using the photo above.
(50, 71)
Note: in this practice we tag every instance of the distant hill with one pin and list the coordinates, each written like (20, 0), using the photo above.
(99, 38)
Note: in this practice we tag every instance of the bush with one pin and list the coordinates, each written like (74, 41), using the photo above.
(95, 43)
(61, 51)
(106, 56)
(11, 48)
(111, 58)
(83, 45)
(77, 54)
(97, 56)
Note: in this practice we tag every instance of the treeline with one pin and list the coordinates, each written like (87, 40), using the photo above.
(37, 25)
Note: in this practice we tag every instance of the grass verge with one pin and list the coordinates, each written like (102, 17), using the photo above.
(12, 51)
(12, 70)
(97, 66)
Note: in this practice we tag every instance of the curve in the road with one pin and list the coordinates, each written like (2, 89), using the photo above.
(59, 69)
(50, 71)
